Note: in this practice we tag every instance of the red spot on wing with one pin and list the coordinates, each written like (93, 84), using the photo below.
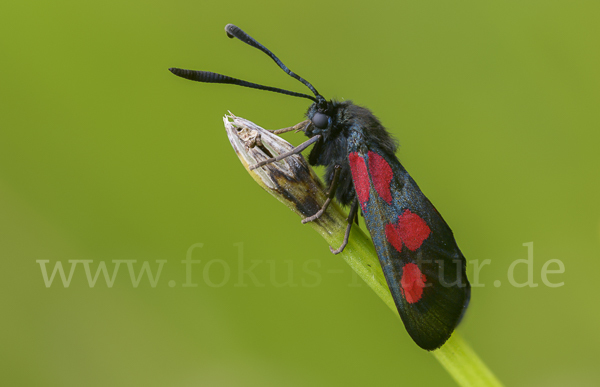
(410, 231)
(413, 230)
(382, 175)
(360, 177)
(412, 282)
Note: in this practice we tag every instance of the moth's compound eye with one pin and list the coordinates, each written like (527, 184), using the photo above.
(320, 120)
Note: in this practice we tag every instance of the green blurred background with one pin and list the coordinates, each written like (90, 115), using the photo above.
(105, 155)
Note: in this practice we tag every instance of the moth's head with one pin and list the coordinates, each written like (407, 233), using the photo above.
(320, 115)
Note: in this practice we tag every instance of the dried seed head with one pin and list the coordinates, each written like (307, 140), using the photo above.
(290, 180)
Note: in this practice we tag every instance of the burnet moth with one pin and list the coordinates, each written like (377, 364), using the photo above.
(422, 264)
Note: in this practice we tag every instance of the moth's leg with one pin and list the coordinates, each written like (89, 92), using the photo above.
(298, 127)
(294, 151)
(350, 220)
(330, 195)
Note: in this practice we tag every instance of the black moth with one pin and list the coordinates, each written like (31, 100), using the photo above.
(423, 266)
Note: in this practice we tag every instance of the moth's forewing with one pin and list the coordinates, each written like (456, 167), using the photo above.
(422, 263)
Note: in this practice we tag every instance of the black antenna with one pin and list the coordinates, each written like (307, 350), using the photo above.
(234, 31)
(210, 77)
